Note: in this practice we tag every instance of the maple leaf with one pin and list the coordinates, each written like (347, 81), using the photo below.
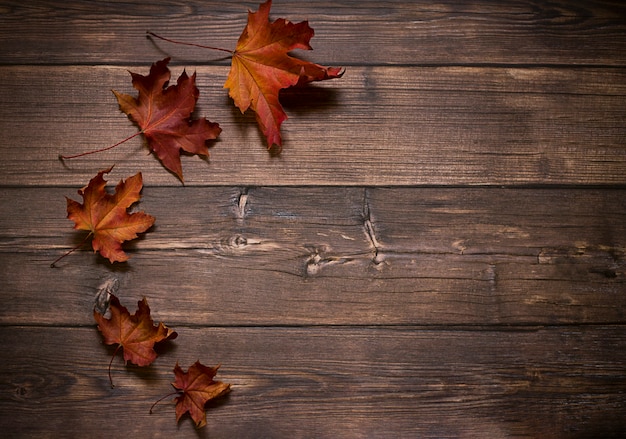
(105, 215)
(164, 115)
(197, 387)
(135, 334)
(261, 67)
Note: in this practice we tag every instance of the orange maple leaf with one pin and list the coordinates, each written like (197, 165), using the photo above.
(197, 387)
(261, 67)
(105, 215)
(135, 334)
(164, 115)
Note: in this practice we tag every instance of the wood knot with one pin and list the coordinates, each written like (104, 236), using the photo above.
(237, 241)
(21, 392)
(313, 265)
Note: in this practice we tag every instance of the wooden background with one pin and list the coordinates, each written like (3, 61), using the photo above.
(440, 250)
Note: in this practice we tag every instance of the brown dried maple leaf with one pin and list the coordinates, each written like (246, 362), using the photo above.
(105, 215)
(261, 67)
(164, 115)
(197, 387)
(135, 334)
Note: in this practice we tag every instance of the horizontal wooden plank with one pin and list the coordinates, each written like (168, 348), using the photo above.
(359, 284)
(347, 32)
(186, 287)
(325, 382)
(375, 126)
(274, 256)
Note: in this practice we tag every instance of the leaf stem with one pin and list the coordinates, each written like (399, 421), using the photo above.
(188, 44)
(161, 399)
(71, 251)
(119, 346)
(69, 157)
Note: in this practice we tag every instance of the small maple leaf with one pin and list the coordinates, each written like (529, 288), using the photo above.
(105, 215)
(197, 387)
(135, 334)
(164, 115)
(261, 67)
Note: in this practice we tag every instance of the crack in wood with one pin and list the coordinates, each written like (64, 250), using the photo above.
(242, 201)
(316, 262)
(492, 277)
(370, 231)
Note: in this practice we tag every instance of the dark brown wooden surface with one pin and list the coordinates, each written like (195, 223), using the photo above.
(375, 126)
(440, 250)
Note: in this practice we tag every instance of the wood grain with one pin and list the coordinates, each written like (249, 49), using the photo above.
(302, 382)
(275, 256)
(375, 126)
(364, 32)
(439, 252)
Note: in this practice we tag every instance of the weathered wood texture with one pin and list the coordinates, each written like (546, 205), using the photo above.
(347, 32)
(376, 126)
(272, 256)
(327, 382)
(440, 251)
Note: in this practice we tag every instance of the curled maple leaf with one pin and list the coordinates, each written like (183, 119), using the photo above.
(195, 388)
(105, 215)
(261, 67)
(164, 115)
(136, 334)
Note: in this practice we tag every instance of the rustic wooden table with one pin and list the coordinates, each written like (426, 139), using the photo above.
(439, 251)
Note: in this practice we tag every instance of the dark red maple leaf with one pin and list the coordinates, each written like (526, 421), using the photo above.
(135, 334)
(195, 388)
(164, 115)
